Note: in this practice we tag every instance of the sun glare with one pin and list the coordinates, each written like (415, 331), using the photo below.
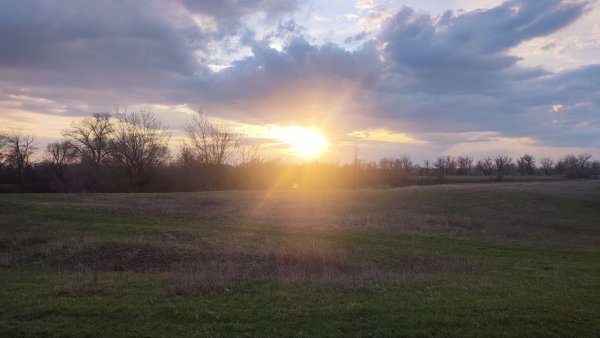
(306, 143)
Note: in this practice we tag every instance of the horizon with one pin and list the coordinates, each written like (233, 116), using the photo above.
(424, 79)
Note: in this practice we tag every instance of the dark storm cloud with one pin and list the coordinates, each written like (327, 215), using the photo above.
(451, 73)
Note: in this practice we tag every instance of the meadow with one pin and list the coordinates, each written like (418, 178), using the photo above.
(477, 259)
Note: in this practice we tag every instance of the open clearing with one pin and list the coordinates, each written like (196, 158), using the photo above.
(500, 259)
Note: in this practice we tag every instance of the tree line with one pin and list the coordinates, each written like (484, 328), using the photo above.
(129, 152)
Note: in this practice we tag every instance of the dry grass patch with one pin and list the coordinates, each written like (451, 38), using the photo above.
(141, 254)
(314, 261)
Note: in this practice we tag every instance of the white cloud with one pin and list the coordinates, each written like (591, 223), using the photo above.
(368, 4)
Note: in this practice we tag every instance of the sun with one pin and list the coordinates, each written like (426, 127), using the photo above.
(306, 143)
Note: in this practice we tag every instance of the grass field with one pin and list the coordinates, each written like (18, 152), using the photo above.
(494, 259)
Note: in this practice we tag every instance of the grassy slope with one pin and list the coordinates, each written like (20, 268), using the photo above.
(507, 259)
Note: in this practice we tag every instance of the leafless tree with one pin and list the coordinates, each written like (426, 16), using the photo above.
(465, 163)
(570, 165)
(595, 168)
(213, 143)
(584, 161)
(561, 167)
(576, 166)
(90, 138)
(185, 159)
(526, 164)
(486, 166)
(140, 145)
(18, 151)
(3, 149)
(246, 153)
(395, 171)
(547, 164)
(60, 154)
(570, 161)
(426, 166)
(405, 163)
(503, 165)
(445, 165)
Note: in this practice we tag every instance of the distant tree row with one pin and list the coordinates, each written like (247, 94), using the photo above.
(129, 152)
(572, 166)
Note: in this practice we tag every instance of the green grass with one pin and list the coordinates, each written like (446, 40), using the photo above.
(498, 259)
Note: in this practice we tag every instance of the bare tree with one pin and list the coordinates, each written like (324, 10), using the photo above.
(486, 166)
(584, 161)
(18, 151)
(526, 164)
(445, 165)
(60, 154)
(426, 166)
(576, 166)
(90, 138)
(390, 175)
(246, 153)
(570, 164)
(395, 171)
(405, 163)
(3, 150)
(440, 165)
(547, 164)
(595, 168)
(503, 165)
(185, 159)
(465, 163)
(140, 145)
(213, 143)
(560, 167)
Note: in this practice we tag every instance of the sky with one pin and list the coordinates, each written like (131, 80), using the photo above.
(423, 78)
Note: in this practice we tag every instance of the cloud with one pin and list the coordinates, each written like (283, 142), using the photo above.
(367, 4)
(417, 77)
(102, 35)
(465, 51)
(230, 14)
(453, 73)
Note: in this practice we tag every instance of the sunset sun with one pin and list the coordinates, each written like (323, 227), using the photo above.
(306, 143)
